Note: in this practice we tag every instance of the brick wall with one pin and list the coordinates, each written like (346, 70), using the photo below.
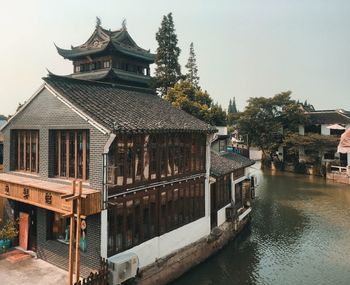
(56, 252)
(46, 112)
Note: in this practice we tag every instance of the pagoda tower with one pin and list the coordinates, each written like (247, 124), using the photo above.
(110, 56)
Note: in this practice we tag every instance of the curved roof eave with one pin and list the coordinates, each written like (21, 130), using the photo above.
(143, 55)
(71, 54)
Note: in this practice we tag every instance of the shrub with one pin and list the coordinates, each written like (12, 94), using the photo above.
(9, 230)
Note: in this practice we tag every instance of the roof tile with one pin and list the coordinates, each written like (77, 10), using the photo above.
(227, 162)
(125, 108)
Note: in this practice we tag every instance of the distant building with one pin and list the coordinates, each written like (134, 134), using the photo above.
(324, 123)
(230, 187)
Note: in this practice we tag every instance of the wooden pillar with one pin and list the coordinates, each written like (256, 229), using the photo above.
(71, 250)
(71, 243)
(77, 239)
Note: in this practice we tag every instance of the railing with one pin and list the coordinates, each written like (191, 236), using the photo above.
(239, 150)
(244, 213)
(338, 168)
(97, 278)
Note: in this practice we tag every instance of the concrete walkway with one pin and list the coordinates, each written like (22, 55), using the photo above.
(28, 271)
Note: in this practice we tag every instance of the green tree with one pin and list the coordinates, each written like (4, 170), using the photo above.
(192, 74)
(192, 100)
(265, 120)
(168, 70)
(196, 102)
(232, 108)
(217, 116)
(232, 118)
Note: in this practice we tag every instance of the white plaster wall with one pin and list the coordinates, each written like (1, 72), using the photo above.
(183, 236)
(325, 131)
(255, 153)
(222, 215)
(221, 130)
(104, 233)
(147, 252)
(301, 130)
(159, 247)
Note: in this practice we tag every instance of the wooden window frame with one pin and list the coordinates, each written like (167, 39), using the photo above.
(161, 156)
(33, 136)
(58, 141)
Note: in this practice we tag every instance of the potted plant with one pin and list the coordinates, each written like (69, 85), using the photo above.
(7, 233)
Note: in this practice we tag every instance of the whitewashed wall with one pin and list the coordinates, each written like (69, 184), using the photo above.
(161, 246)
(221, 130)
(325, 131)
(222, 215)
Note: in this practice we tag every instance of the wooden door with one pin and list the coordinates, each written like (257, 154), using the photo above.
(23, 230)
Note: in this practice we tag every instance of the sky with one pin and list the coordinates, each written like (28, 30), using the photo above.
(244, 48)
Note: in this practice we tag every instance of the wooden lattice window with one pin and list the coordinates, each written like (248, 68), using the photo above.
(71, 153)
(28, 151)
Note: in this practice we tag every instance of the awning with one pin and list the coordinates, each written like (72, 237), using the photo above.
(344, 144)
(336, 127)
(46, 194)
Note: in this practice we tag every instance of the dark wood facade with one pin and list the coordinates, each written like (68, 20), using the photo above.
(140, 216)
(141, 159)
(146, 203)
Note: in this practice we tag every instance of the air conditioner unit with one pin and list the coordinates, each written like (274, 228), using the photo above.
(122, 267)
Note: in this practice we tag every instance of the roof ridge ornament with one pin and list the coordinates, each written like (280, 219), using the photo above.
(98, 22)
(124, 24)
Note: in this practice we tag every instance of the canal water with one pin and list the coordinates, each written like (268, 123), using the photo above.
(299, 234)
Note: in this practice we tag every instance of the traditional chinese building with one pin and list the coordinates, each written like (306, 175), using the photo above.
(110, 56)
(231, 187)
(144, 165)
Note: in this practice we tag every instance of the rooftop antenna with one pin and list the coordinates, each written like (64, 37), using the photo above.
(98, 22)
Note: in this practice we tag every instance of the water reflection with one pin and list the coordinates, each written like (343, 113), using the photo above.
(300, 234)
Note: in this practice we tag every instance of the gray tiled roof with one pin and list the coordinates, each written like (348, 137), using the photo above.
(112, 72)
(124, 108)
(110, 39)
(329, 117)
(224, 163)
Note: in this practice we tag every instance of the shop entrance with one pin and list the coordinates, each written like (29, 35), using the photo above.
(26, 215)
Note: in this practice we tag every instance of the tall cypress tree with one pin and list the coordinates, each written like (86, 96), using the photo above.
(234, 107)
(192, 74)
(229, 109)
(168, 70)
